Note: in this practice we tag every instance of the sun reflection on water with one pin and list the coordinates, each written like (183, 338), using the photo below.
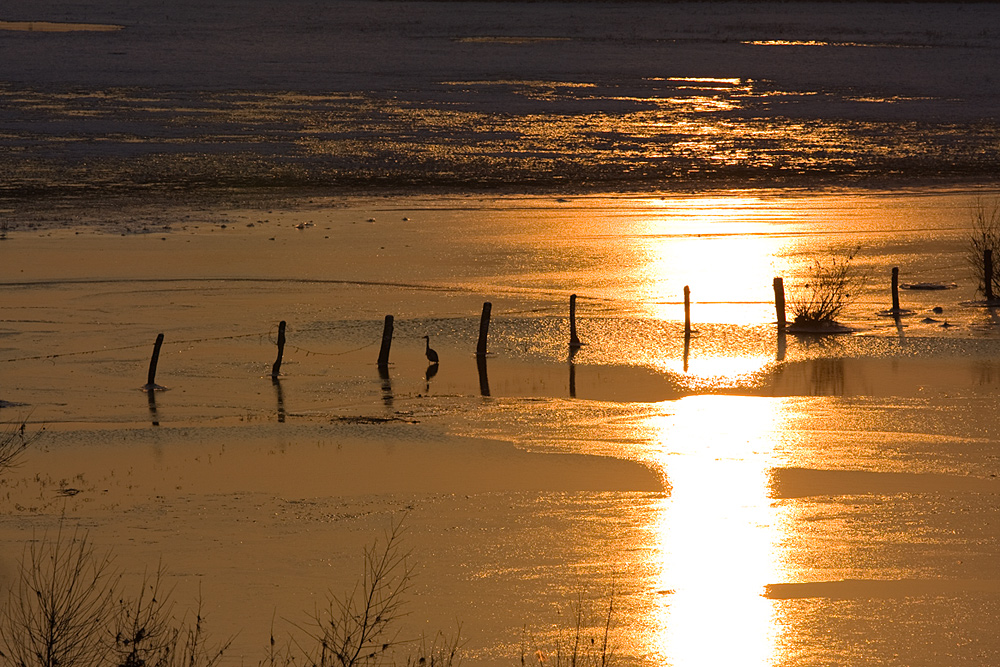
(718, 535)
(725, 248)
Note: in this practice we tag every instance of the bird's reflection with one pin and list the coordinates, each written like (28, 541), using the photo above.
(484, 381)
(280, 396)
(431, 371)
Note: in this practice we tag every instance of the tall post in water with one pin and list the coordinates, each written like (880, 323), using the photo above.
(988, 272)
(276, 368)
(779, 302)
(151, 378)
(687, 311)
(383, 353)
(484, 329)
(574, 341)
(895, 290)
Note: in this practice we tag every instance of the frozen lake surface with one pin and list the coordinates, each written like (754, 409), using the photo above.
(207, 169)
(815, 500)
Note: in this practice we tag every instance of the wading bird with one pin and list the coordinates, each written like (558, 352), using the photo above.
(432, 356)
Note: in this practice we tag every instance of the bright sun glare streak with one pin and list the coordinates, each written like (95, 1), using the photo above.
(719, 372)
(718, 536)
(725, 248)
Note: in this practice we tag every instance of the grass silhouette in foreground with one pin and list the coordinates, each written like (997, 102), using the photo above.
(68, 607)
(13, 442)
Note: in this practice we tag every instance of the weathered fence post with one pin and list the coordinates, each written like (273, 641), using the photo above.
(151, 378)
(383, 353)
(484, 329)
(779, 302)
(574, 341)
(895, 290)
(988, 272)
(687, 311)
(276, 368)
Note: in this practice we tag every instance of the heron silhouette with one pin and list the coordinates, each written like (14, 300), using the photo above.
(432, 356)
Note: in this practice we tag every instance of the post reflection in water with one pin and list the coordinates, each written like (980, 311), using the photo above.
(572, 379)
(687, 350)
(719, 538)
(572, 369)
(484, 380)
(383, 373)
(151, 399)
(280, 395)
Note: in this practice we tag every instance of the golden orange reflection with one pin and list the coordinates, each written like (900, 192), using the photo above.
(719, 537)
(719, 372)
(727, 249)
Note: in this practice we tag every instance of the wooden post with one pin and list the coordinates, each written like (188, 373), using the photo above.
(151, 378)
(988, 272)
(276, 368)
(779, 302)
(383, 353)
(484, 329)
(895, 290)
(574, 341)
(687, 310)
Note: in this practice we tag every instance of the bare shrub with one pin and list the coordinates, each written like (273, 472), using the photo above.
(574, 647)
(59, 607)
(13, 442)
(358, 628)
(68, 609)
(143, 634)
(443, 651)
(147, 634)
(62, 612)
(190, 646)
(831, 287)
(984, 235)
